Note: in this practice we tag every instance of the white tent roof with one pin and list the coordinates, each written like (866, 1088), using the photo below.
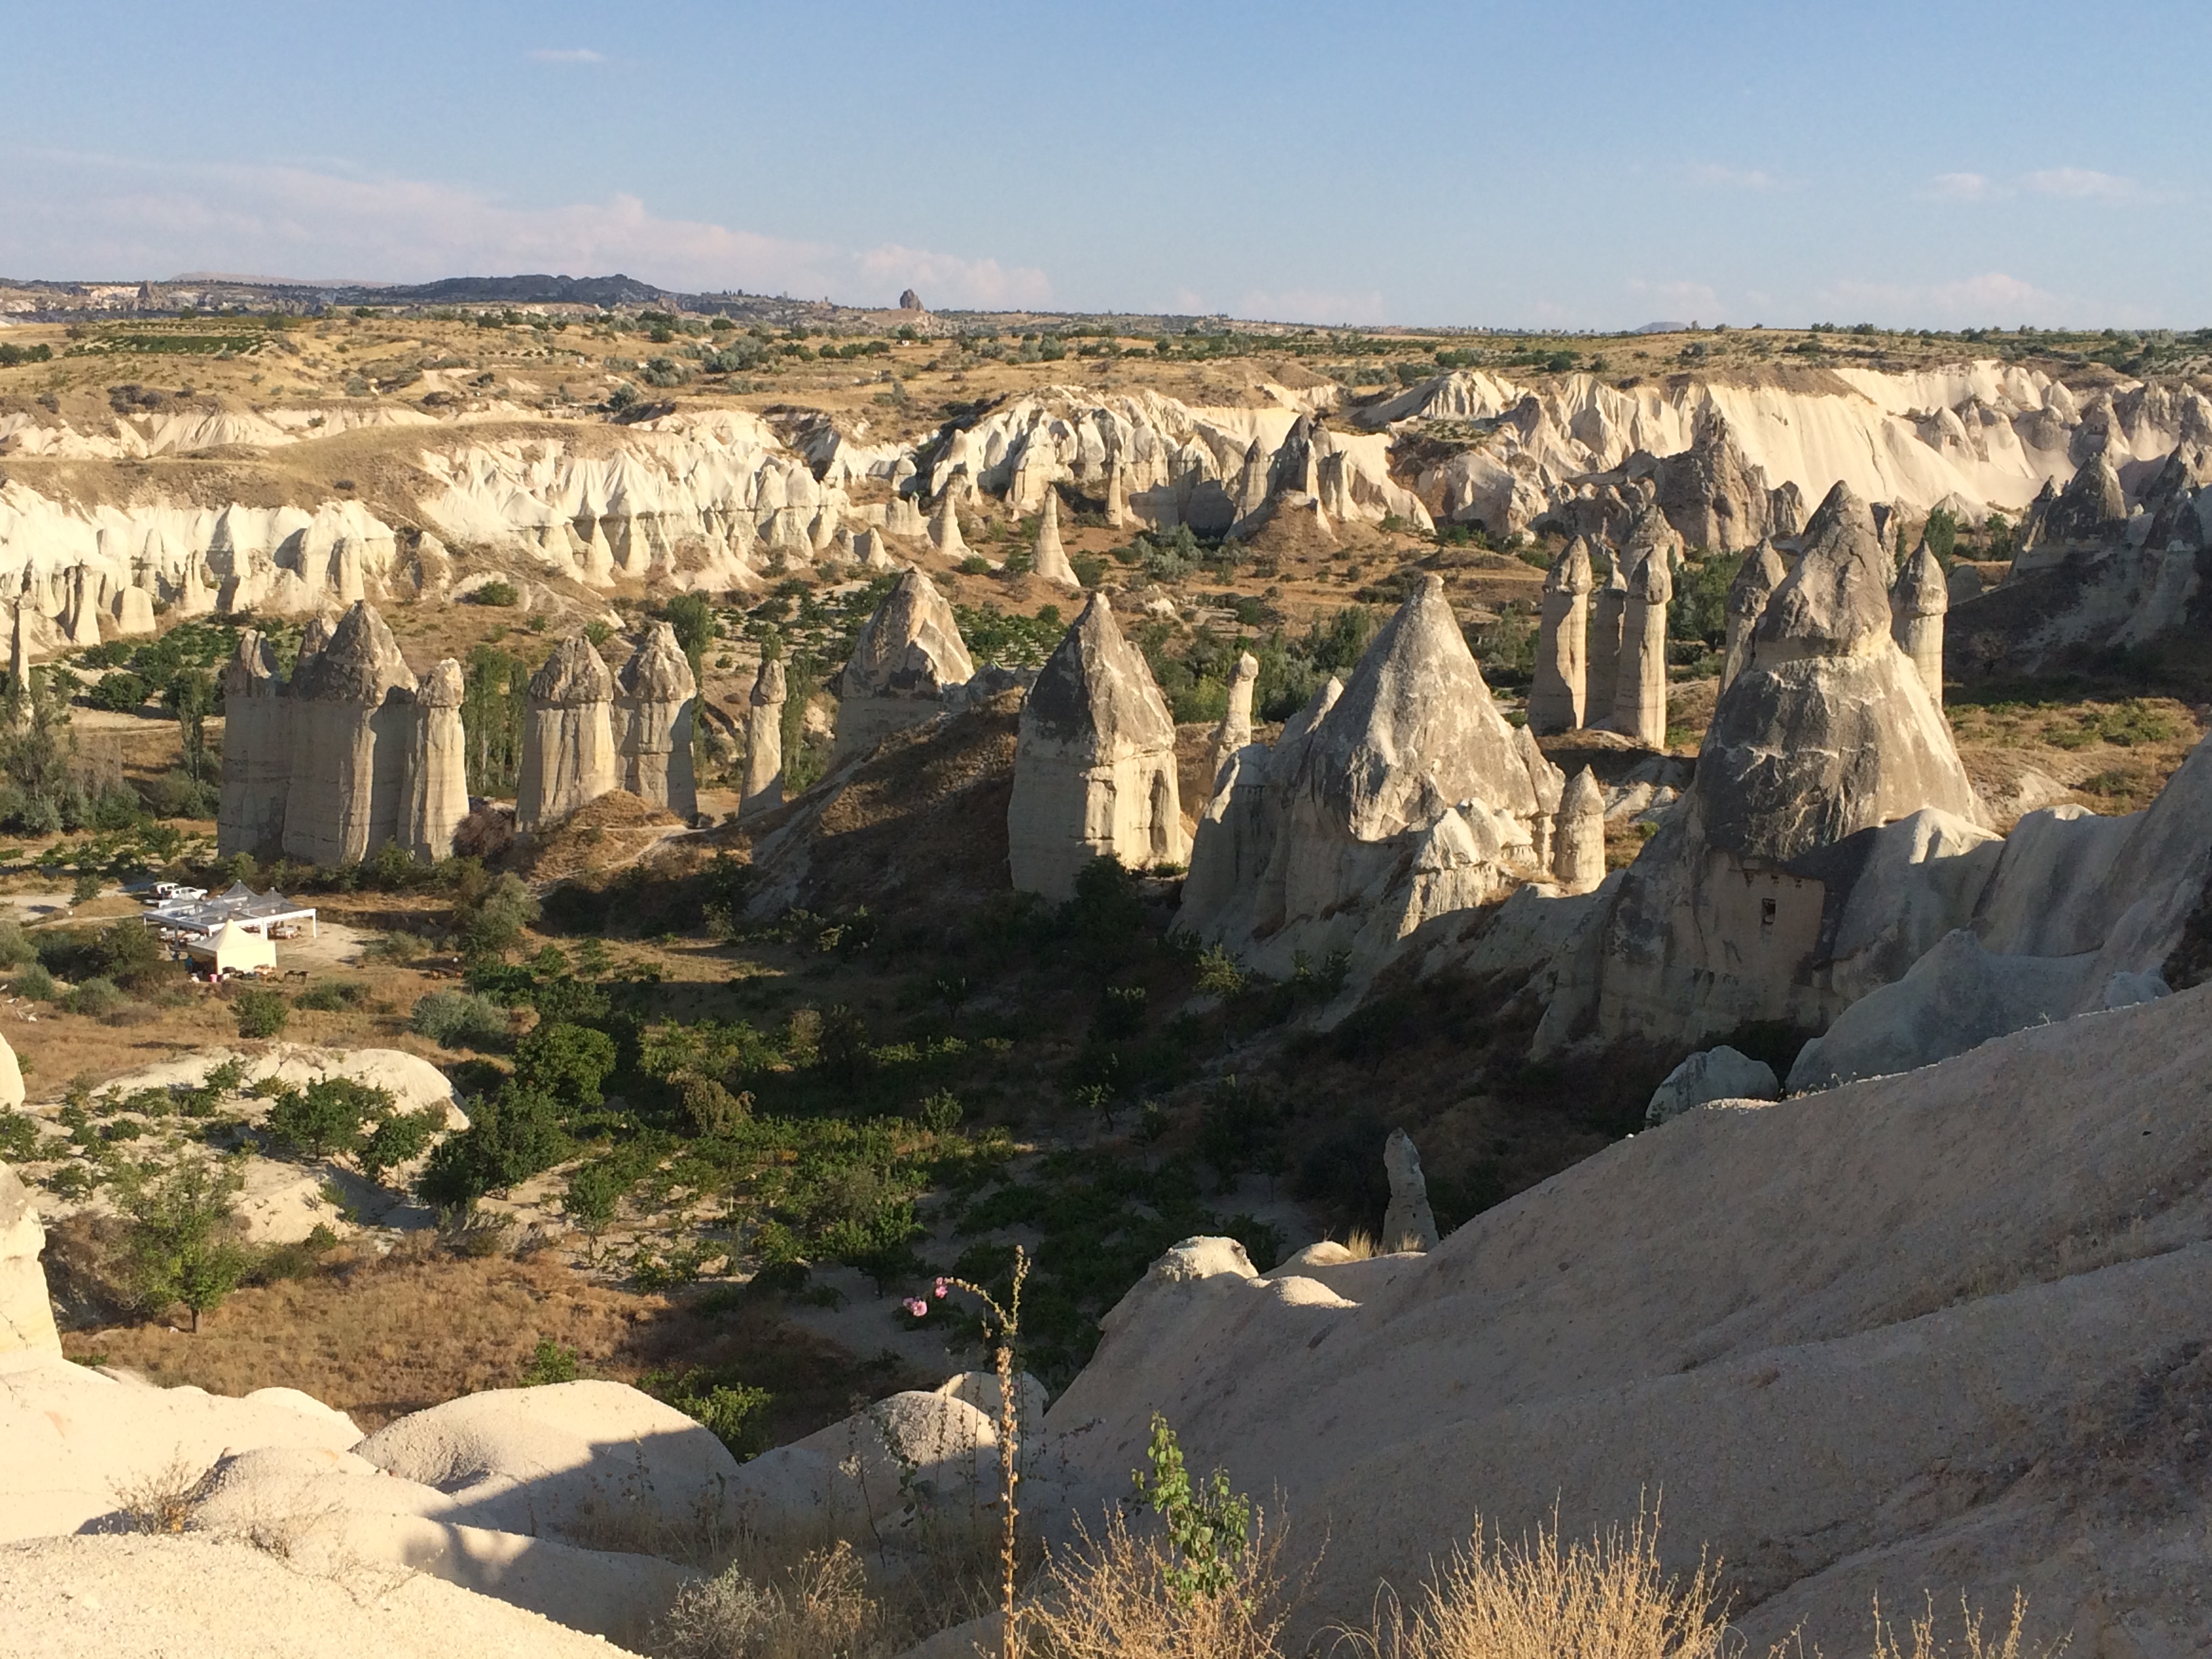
(235, 950)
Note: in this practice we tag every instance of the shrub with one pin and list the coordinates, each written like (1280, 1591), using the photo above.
(499, 593)
(120, 692)
(567, 1063)
(260, 1013)
(550, 1362)
(36, 984)
(736, 1414)
(491, 924)
(821, 1608)
(15, 946)
(512, 1135)
(456, 1019)
(96, 997)
(132, 955)
(326, 1117)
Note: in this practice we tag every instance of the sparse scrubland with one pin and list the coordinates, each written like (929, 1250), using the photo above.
(743, 1096)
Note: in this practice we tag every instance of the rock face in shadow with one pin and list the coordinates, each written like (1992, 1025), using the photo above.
(658, 699)
(353, 713)
(1639, 696)
(1608, 609)
(763, 788)
(1094, 764)
(1828, 731)
(436, 777)
(1556, 697)
(567, 740)
(256, 751)
(907, 657)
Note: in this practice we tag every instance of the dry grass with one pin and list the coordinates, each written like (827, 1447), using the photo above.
(1923, 1640)
(379, 1339)
(1112, 1598)
(1547, 1599)
(163, 1500)
(820, 1609)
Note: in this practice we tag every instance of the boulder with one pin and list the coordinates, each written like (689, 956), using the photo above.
(908, 654)
(567, 738)
(1408, 1225)
(1556, 695)
(763, 785)
(352, 718)
(657, 696)
(1094, 763)
(436, 772)
(1719, 1073)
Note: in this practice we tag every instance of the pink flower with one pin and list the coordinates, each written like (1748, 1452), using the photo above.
(941, 1288)
(917, 1307)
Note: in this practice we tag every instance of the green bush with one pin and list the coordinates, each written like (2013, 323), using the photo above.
(120, 692)
(131, 955)
(96, 997)
(491, 924)
(260, 1013)
(182, 1238)
(499, 593)
(568, 1063)
(396, 1139)
(550, 1362)
(326, 1117)
(36, 984)
(329, 997)
(455, 1019)
(15, 947)
(512, 1135)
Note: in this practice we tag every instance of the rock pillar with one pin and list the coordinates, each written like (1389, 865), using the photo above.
(1557, 696)
(944, 530)
(1639, 698)
(1601, 674)
(659, 697)
(764, 790)
(567, 738)
(1236, 728)
(1578, 842)
(26, 1316)
(256, 751)
(1052, 563)
(1408, 1224)
(353, 712)
(1762, 573)
(1916, 604)
(435, 797)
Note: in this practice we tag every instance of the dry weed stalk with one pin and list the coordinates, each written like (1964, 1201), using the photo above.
(1605, 1599)
(164, 1500)
(1974, 1643)
(821, 1610)
(1009, 1319)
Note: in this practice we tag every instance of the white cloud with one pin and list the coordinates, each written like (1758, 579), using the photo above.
(1712, 176)
(75, 215)
(1960, 187)
(565, 55)
(1320, 307)
(1994, 298)
(2083, 183)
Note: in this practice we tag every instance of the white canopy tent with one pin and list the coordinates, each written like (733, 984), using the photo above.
(257, 913)
(235, 950)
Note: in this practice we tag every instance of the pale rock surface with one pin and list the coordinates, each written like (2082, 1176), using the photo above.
(763, 785)
(1714, 1074)
(198, 1598)
(134, 612)
(1917, 603)
(1912, 1238)
(1094, 763)
(568, 741)
(657, 696)
(1408, 1224)
(1556, 695)
(907, 657)
(256, 751)
(353, 714)
(1052, 565)
(436, 770)
(1761, 573)
(26, 1318)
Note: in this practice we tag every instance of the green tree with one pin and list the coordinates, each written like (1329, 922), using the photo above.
(512, 1135)
(36, 748)
(325, 1118)
(182, 1240)
(491, 923)
(567, 1062)
(395, 1138)
(192, 695)
(1209, 1526)
(494, 698)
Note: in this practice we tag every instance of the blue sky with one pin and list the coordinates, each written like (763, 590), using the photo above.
(1598, 165)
